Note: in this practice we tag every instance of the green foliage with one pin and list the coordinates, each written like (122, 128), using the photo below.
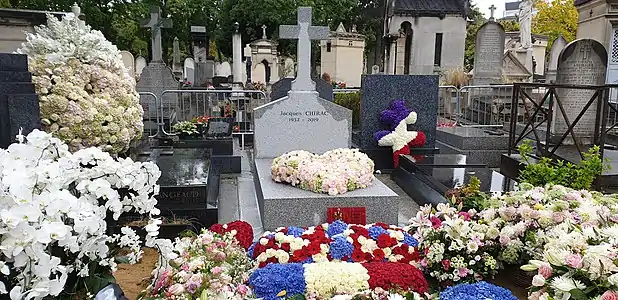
(547, 171)
(351, 101)
(477, 21)
(469, 196)
(5, 4)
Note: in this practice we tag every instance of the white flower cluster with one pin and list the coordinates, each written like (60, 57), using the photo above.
(87, 97)
(53, 208)
(327, 278)
(334, 172)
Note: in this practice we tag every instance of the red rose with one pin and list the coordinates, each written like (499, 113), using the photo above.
(285, 247)
(313, 248)
(378, 255)
(218, 228)
(385, 241)
(358, 255)
(389, 276)
(360, 230)
(258, 249)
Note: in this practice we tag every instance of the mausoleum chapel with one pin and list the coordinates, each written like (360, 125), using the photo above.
(425, 150)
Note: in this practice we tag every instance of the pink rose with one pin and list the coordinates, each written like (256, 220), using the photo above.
(610, 295)
(424, 263)
(176, 289)
(545, 270)
(220, 256)
(557, 217)
(216, 270)
(504, 240)
(574, 261)
(242, 289)
(463, 272)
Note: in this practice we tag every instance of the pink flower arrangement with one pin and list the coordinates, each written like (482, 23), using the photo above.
(334, 172)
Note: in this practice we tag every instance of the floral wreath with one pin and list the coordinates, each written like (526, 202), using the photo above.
(398, 117)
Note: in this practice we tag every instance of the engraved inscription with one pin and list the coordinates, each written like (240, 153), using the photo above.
(310, 116)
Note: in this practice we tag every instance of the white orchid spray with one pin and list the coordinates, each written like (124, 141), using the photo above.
(54, 208)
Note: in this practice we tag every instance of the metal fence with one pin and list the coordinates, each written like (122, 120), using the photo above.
(186, 104)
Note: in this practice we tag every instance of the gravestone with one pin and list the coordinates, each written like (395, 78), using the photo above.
(189, 70)
(281, 88)
(554, 54)
(223, 69)
(316, 125)
(199, 39)
(19, 104)
(289, 68)
(156, 23)
(375, 69)
(582, 62)
(420, 93)
(129, 62)
(488, 54)
(204, 72)
(177, 67)
(140, 64)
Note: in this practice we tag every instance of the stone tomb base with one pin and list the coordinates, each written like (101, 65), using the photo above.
(284, 205)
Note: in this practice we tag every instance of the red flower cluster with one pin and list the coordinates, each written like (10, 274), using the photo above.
(244, 232)
(389, 276)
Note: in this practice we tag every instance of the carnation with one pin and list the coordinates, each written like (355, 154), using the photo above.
(87, 97)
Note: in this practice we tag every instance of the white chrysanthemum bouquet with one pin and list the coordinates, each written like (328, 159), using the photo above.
(87, 97)
(54, 208)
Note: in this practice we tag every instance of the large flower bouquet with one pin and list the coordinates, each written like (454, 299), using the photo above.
(334, 172)
(476, 291)
(579, 262)
(456, 248)
(87, 97)
(336, 242)
(523, 217)
(324, 280)
(54, 206)
(209, 266)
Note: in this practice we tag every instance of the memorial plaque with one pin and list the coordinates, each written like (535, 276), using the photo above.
(219, 127)
(348, 215)
(489, 51)
(582, 62)
(183, 197)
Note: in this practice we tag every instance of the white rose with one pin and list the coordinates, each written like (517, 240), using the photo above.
(538, 280)
(613, 279)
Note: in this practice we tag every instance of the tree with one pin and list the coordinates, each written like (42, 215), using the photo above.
(510, 25)
(554, 19)
(477, 21)
(5, 4)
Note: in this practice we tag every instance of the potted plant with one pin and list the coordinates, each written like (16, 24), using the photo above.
(186, 129)
(200, 123)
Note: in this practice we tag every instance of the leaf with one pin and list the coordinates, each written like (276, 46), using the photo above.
(577, 294)
(98, 282)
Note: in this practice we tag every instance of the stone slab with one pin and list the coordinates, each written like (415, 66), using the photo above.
(281, 88)
(491, 158)
(13, 62)
(420, 93)
(18, 111)
(156, 78)
(15, 76)
(472, 138)
(16, 88)
(285, 205)
(302, 121)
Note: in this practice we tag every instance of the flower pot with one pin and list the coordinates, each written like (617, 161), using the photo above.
(516, 276)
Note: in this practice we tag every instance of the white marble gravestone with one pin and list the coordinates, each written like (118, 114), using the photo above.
(129, 62)
(304, 121)
(223, 69)
(554, 53)
(189, 70)
(140, 64)
(582, 62)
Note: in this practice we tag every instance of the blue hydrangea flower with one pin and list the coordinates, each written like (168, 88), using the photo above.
(476, 291)
(251, 249)
(271, 280)
(340, 247)
(309, 260)
(409, 240)
(295, 231)
(336, 227)
(376, 231)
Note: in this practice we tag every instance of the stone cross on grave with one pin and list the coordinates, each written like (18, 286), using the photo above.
(304, 32)
(492, 9)
(155, 23)
(264, 32)
(585, 50)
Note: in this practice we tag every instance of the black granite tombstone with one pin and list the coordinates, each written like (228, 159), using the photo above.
(218, 80)
(19, 104)
(281, 88)
(219, 128)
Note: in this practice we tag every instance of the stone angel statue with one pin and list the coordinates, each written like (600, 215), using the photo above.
(525, 23)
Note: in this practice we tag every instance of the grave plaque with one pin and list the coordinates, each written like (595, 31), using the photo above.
(582, 62)
(348, 215)
(157, 78)
(218, 128)
(489, 51)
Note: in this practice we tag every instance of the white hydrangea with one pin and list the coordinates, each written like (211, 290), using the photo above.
(53, 210)
(87, 97)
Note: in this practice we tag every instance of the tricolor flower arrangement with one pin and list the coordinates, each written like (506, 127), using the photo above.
(398, 117)
(336, 241)
(334, 172)
(87, 97)
(209, 266)
(323, 280)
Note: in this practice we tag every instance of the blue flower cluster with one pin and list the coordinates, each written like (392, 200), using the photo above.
(409, 240)
(295, 231)
(340, 247)
(376, 231)
(251, 249)
(476, 291)
(336, 227)
(272, 280)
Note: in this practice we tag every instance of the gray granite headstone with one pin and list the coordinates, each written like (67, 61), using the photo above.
(204, 72)
(554, 54)
(582, 62)
(281, 88)
(420, 93)
(19, 104)
(488, 53)
(157, 78)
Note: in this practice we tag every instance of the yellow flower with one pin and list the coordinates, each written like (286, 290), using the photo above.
(282, 293)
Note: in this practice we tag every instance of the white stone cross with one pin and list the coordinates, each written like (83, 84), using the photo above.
(263, 31)
(155, 23)
(304, 32)
(492, 9)
(585, 50)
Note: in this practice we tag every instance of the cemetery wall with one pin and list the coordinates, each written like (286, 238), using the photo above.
(14, 23)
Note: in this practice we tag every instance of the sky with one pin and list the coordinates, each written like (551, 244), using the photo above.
(484, 5)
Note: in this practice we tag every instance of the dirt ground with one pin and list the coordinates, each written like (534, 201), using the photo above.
(133, 279)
